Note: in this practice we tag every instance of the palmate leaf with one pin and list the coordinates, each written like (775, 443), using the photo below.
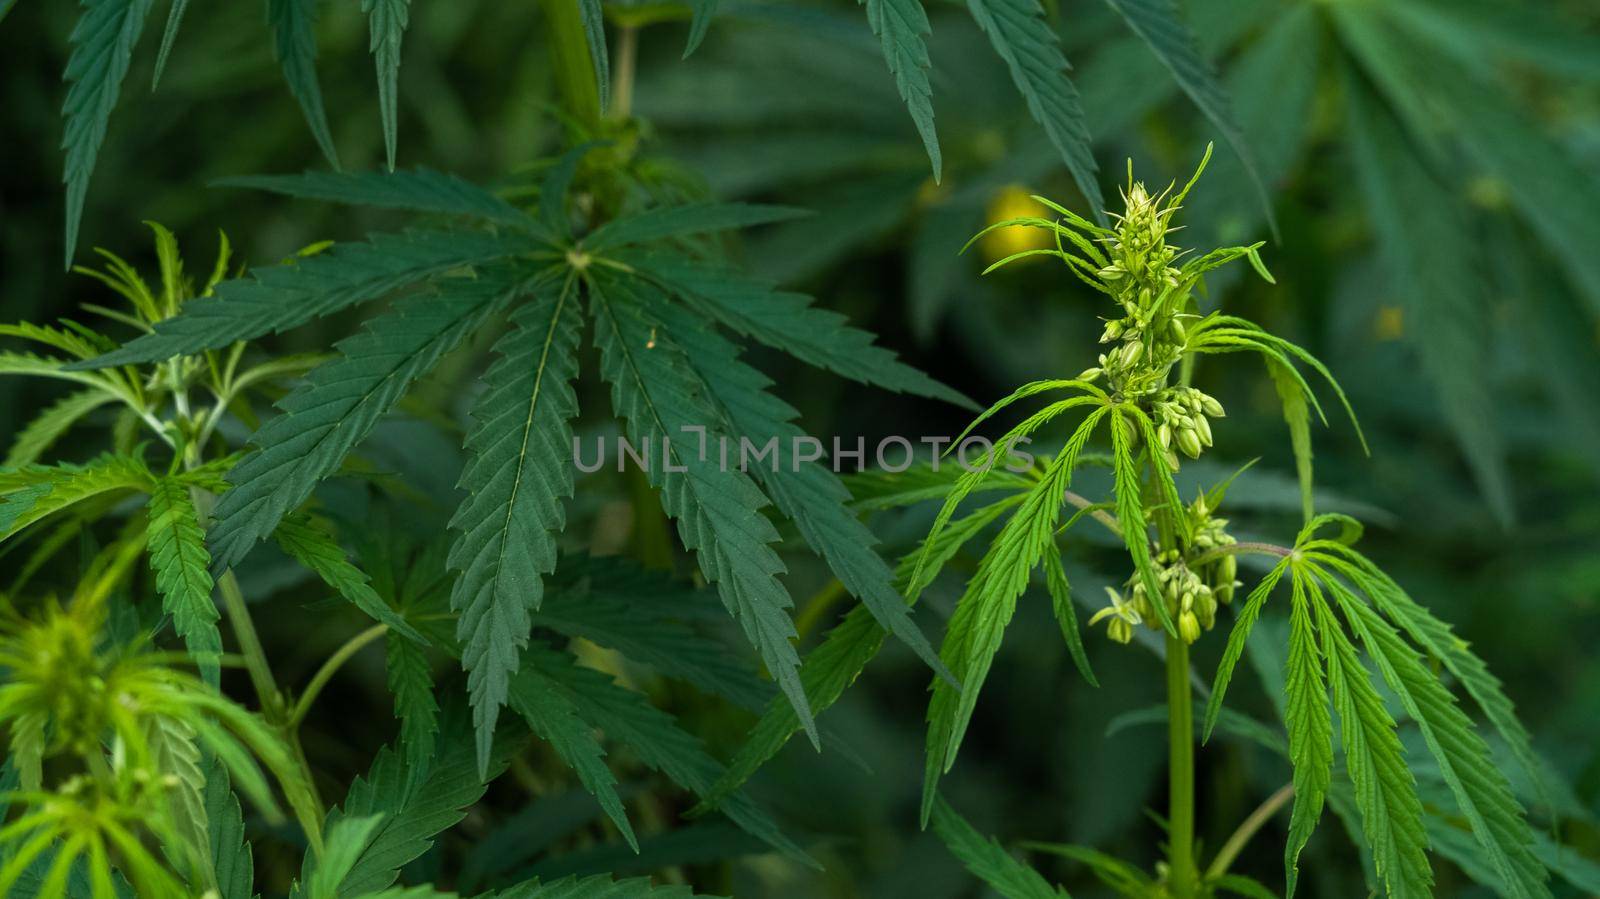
(786, 321)
(805, 492)
(102, 49)
(181, 563)
(339, 402)
(902, 27)
(554, 718)
(1024, 39)
(518, 475)
(414, 190)
(988, 860)
(387, 20)
(1420, 227)
(718, 510)
(1386, 791)
(1160, 25)
(1480, 789)
(280, 297)
(293, 24)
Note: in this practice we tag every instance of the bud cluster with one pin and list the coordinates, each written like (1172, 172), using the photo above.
(1190, 595)
(1182, 416)
(1150, 336)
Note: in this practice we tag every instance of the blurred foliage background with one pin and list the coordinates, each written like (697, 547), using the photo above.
(1434, 169)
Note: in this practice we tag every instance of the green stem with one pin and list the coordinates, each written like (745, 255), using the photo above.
(818, 608)
(1247, 829)
(329, 668)
(244, 630)
(1182, 876)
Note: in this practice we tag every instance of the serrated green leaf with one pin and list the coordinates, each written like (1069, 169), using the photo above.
(1248, 615)
(387, 20)
(656, 740)
(280, 297)
(1130, 512)
(718, 510)
(30, 494)
(1386, 791)
(179, 558)
(1480, 789)
(518, 474)
(346, 841)
(414, 190)
(554, 718)
(1310, 727)
(410, 680)
(182, 822)
(598, 886)
(788, 322)
(807, 493)
(338, 404)
(102, 48)
(232, 864)
(293, 24)
(902, 28)
(988, 860)
(1023, 37)
(310, 541)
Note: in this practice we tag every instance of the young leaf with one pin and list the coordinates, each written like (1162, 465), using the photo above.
(293, 24)
(347, 840)
(902, 27)
(518, 474)
(718, 510)
(1130, 512)
(988, 860)
(1027, 43)
(339, 402)
(102, 48)
(387, 20)
(179, 558)
(1297, 414)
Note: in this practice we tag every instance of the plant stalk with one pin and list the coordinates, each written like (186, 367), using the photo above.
(1183, 875)
(1247, 829)
(622, 79)
(329, 668)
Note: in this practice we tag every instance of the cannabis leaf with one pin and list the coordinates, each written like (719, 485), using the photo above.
(987, 860)
(293, 24)
(179, 558)
(902, 28)
(387, 20)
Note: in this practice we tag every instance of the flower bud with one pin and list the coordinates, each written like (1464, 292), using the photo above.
(1113, 331)
(1091, 374)
(1179, 335)
(1119, 630)
(1211, 407)
(1131, 353)
(1227, 570)
(1164, 433)
(1189, 442)
(1188, 627)
(1203, 428)
(1112, 273)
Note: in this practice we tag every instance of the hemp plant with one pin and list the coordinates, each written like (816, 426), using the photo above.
(1344, 612)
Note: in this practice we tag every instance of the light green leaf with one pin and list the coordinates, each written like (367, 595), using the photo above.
(1310, 727)
(232, 863)
(49, 425)
(181, 563)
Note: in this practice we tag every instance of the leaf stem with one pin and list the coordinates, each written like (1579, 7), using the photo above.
(1242, 548)
(622, 78)
(244, 630)
(331, 667)
(1247, 829)
(1180, 791)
